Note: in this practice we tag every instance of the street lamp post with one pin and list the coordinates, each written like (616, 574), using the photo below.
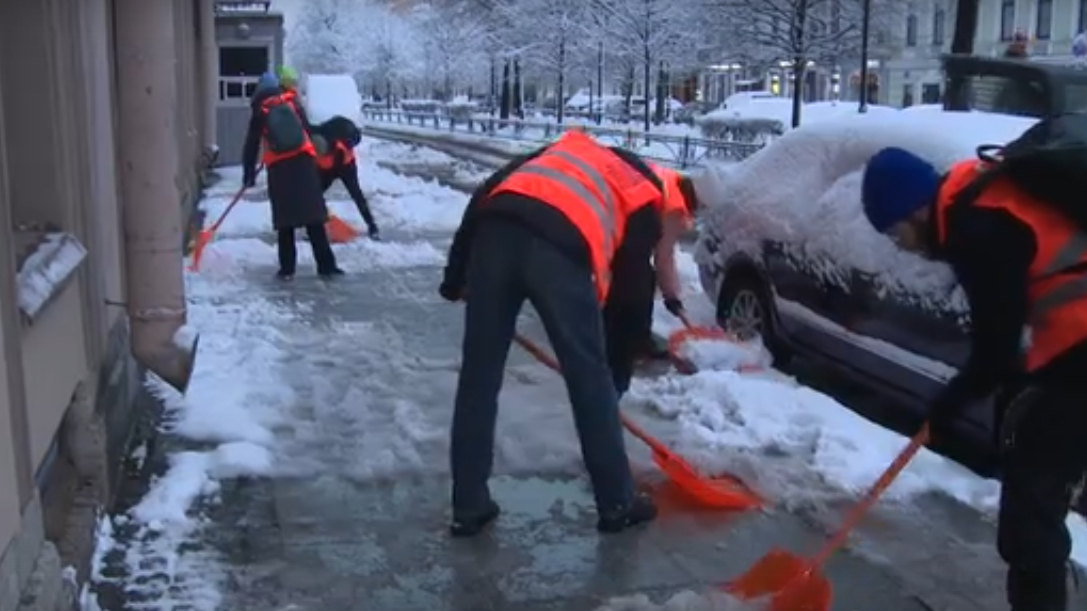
(866, 17)
(599, 82)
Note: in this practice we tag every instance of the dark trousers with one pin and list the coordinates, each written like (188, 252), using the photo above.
(508, 265)
(1045, 455)
(318, 240)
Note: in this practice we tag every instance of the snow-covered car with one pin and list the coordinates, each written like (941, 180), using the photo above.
(330, 95)
(786, 253)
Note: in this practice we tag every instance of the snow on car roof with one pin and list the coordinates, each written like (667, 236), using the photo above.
(803, 189)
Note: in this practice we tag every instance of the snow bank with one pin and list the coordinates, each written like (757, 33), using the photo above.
(804, 189)
(686, 600)
(330, 95)
(798, 447)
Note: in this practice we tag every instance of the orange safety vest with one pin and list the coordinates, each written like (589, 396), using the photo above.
(287, 97)
(1057, 318)
(592, 187)
(328, 160)
(673, 196)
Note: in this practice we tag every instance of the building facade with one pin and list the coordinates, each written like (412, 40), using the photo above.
(909, 64)
(106, 117)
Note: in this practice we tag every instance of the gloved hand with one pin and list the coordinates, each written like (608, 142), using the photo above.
(675, 306)
(249, 179)
(450, 291)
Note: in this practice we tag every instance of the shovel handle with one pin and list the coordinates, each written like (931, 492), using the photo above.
(233, 202)
(874, 493)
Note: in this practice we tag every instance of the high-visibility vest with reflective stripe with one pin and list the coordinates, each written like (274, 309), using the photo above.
(673, 197)
(328, 160)
(1057, 319)
(592, 187)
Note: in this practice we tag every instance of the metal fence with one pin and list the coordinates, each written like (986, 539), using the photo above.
(682, 151)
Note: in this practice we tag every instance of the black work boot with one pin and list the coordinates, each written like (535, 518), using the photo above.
(470, 526)
(640, 510)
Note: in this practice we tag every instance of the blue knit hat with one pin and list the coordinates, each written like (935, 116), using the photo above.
(896, 184)
(268, 80)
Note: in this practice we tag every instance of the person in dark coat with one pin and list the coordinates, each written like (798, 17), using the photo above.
(335, 141)
(294, 182)
(1018, 262)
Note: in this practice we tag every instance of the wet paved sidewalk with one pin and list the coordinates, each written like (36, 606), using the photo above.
(355, 517)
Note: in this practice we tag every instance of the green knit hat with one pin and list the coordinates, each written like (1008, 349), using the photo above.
(288, 77)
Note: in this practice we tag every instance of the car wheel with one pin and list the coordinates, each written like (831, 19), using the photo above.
(745, 311)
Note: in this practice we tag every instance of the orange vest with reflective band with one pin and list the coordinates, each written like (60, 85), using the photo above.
(287, 97)
(592, 187)
(673, 197)
(328, 160)
(1057, 318)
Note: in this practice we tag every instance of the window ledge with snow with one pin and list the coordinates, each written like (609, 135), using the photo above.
(47, 261)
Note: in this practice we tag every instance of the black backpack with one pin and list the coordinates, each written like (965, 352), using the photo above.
(1048, 162)
(284, 131)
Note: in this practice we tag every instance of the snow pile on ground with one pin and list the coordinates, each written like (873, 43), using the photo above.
(798, 447)
(724, 355)
(687, 600)
(804, 189)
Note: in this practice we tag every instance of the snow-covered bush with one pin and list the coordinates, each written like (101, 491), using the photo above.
(803, 191)
(715, 126)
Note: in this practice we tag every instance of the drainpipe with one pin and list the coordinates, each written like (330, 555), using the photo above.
(209, 74)
(149, 158)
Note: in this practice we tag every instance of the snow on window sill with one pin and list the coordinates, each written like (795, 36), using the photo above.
(46, 260)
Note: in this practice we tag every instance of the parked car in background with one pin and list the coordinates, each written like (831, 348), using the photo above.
(786, 254)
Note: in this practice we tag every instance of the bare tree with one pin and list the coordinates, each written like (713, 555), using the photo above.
(552, 31)
(652, 31)
(326, 37)
(452, 33)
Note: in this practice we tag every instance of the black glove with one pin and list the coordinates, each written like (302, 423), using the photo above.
(249, 179)
(675, 306)
(450, 291)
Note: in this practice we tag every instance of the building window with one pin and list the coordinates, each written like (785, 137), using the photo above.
(1043, 23)
(930, 93)
(911, 31)
(1007, 19)
(1081, 25)
(939, 21)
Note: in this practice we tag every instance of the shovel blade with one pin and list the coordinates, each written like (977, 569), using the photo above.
(339, 231)
(199, 245)
(771, 575)
(811, 592)
(719, 493)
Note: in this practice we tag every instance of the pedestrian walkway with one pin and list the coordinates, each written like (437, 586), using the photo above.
(307, 468)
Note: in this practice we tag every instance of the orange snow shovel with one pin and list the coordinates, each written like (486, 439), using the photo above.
(339, 230)
(797, 584)
(719, 493)
(205, 236)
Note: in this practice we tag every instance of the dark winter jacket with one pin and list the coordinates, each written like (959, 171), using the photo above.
(294, 184)
(990, 251)
(628, 309)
